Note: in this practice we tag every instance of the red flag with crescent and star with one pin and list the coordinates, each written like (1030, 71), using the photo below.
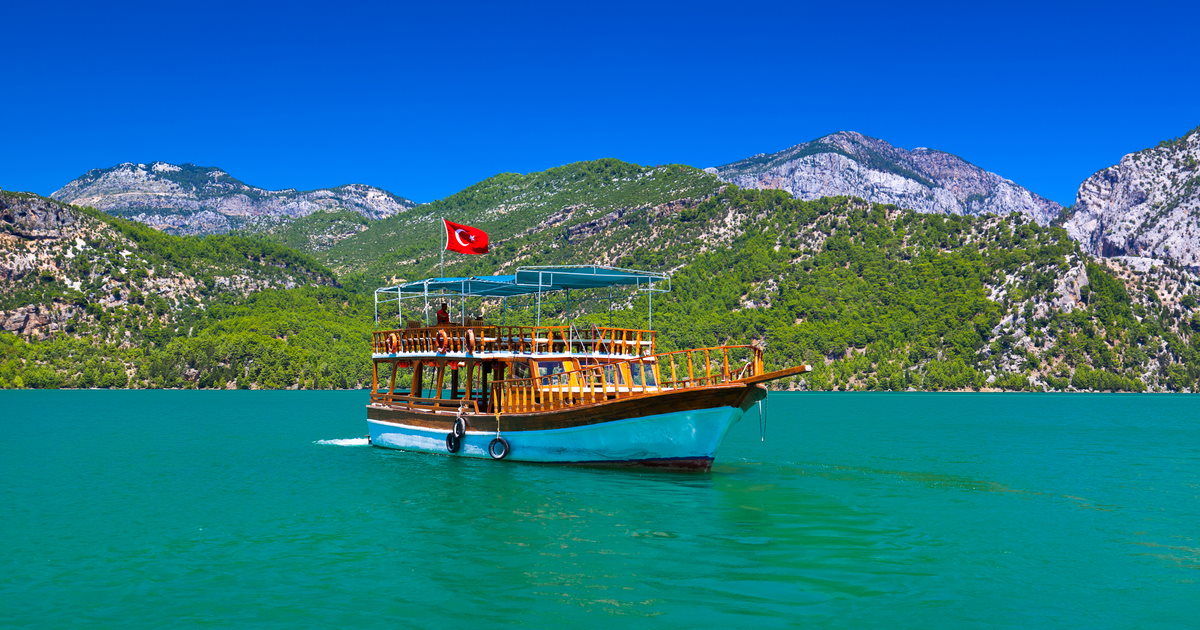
(465, 239)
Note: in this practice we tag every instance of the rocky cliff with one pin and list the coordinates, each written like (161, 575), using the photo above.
(1148, 205)
(190, 199)
(70, 269)
(925, 180)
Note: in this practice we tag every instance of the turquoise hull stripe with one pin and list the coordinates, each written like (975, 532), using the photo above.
(677, 435)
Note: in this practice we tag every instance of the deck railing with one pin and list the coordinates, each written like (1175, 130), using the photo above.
(517, 339)
(424, 404)
(682, 369)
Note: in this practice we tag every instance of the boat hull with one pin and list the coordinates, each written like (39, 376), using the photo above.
(684, 438)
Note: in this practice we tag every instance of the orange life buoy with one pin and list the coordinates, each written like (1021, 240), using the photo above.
(470, 341)
(393, 342)
(440, 339)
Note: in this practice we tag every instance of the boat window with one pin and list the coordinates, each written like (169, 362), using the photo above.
(642, 374)
(520, 369)
(546, 368)
(614, 375)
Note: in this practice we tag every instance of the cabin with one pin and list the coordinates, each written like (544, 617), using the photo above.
(455, 362)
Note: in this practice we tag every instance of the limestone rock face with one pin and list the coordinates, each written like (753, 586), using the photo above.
(925, 180)
(190, 199)
(1148, 205)
(35, 218)
(62, 267)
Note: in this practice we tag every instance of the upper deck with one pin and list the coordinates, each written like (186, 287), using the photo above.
(477, 340)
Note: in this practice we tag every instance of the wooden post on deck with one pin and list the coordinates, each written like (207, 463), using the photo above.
(467, 394)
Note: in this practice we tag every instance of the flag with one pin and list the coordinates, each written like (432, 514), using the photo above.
(465, 239)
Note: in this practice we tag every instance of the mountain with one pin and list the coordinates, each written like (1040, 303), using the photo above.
(91, 300)
(58, 260)
(1148, 205)
(874, 296)
(190, 199)
(925, 180)
(315, 233)
(528, 217)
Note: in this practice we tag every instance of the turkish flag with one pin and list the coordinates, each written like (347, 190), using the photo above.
(465, 239)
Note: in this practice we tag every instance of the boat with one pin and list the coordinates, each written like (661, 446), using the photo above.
(551, 392)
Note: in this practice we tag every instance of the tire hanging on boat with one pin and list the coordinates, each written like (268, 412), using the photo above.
(498, 448)
(460, 428)
(452, 442)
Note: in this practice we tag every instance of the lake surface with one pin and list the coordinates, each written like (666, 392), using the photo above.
(148, 509)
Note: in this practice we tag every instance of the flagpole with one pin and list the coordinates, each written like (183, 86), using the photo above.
(442, 254)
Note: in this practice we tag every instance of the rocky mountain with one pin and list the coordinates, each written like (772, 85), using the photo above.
(190, 199)
(64, 267)
(1148, 205)
(874, 296)
(851, 164)
(528, 216)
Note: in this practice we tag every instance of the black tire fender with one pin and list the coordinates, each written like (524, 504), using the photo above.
(499, 448)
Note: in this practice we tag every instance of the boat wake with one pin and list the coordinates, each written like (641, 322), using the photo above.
(362, 441)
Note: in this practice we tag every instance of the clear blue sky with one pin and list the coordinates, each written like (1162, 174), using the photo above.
(426, 99)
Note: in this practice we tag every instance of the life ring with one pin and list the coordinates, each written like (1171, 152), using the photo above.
(393, 342)
(470, 341)
(460, 427)
(440, 340)
(498, 448)
(452, 442)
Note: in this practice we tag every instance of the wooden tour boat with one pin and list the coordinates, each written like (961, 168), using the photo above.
(553, 393)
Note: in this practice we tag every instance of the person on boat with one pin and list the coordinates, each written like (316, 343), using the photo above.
(443, 315)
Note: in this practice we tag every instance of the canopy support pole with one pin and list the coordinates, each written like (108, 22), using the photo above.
(539, 300)
(610, 305)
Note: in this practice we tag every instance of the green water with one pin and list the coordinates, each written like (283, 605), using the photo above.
(160, 509)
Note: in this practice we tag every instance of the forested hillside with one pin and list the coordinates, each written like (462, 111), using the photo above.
(874, 296)
(526, 216)
(90, 300)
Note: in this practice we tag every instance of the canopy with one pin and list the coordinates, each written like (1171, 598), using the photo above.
(587, 277)
(529, 280)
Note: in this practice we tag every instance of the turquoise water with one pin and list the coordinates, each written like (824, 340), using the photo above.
(155, 509)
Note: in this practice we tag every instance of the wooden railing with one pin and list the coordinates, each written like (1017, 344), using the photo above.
(592, 384)
(424, 404)
(517, 339)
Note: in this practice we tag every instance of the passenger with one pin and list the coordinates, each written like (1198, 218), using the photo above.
(443, 316)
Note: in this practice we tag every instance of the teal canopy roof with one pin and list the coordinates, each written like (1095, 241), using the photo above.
(529, 280)
(586, 277)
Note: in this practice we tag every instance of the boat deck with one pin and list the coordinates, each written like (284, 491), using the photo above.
(480, 339)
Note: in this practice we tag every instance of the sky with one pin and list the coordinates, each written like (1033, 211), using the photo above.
(425, 99)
